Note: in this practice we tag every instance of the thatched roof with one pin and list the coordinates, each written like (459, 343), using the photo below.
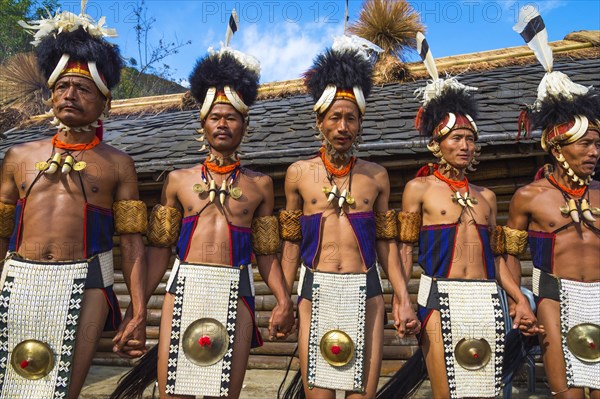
(159, 133)
(577, 45)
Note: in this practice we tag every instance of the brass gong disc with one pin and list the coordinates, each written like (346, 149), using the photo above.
(583, 340)
(337, 348)
(32, 359)
(472, 354)
(205, 341)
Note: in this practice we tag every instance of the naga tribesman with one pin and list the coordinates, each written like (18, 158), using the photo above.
(217, 214)
(337, 223)
(452, 222)
(558, 215)
(66, 197)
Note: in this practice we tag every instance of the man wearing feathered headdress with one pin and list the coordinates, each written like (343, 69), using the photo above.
(558, 215)
(61, 201)
(217, 214)
(463, 323)
(338, 225)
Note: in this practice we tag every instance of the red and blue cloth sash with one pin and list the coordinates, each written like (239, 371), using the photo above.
(240, 247)
(437, 249)
(97, 238)
(363, 225)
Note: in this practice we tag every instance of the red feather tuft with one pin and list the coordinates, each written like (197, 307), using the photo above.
(427, 170)
(540, 174)
(524, 125)
(100, 130)
(543, 172)
(419, 118)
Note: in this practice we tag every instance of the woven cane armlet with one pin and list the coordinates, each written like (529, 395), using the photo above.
(164, 225)
(516, 241)
(131, 217)
(289, 225)
(7, 220)
(498, 240)
(409, 226)
(386, 226)
(265, 235)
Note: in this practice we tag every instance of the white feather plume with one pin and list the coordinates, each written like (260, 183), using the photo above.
(555, 84)
(250, 62)
(67, 22)
(435, 88)
(428, 60)
(539, 43)
(355, 43)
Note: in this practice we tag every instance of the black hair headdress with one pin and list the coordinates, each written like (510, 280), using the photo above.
(228, 75)
(342, 71)
(66, 39)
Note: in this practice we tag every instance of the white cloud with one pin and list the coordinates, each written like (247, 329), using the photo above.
(548, 5)
(285, 50)
(184, 82)
(511, 7)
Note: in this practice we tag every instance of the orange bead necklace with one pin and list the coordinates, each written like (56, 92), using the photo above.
(332, 170)
(74, 147)
(577, 193)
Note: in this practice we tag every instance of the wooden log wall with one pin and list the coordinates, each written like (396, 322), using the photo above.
(501, 176)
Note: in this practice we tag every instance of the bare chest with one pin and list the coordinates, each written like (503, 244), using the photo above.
(357, 193)
(238, 201)
(550, 210)
(442, 206)
(89, 177)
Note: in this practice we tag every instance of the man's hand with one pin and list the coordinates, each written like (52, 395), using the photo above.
(405, 319)
(282, 322)
(512, 307)
(130, 340)
(524, 319)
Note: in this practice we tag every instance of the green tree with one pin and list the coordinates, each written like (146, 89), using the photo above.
(13, 38)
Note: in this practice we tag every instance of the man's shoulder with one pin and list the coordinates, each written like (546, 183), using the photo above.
(30, 146)
(260, 180)
(420, 182)
(301, 168)
(303, 164)
(114, 152)
(532, 190)
(486, 192)
(415, 191)
(253, 174)
(28, 151)
(371, 167)
(180, 174)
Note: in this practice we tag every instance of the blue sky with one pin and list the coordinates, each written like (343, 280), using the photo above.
(286, 35)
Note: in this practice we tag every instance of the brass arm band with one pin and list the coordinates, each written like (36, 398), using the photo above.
(163, 229)
(516, 240)
(409, 226)
(498, 240)
(130, 216)
(289, 225)
(265, 235)
(7, 220)
(386, 226)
